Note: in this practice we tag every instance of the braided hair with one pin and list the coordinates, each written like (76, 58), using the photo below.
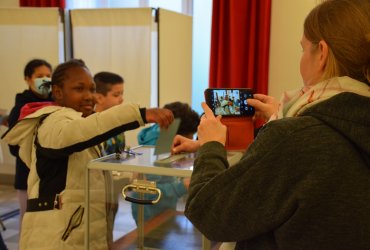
(59, 75)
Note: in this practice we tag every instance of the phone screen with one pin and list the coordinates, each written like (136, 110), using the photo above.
(229, 102)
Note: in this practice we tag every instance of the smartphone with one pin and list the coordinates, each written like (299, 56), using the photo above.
(229, 101)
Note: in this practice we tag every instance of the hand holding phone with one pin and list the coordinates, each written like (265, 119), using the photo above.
(211, 128)
(265, 106)
(229, 101)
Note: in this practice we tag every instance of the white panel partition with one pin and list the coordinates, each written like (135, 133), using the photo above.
(119, 41)
(116, 40)
(25, 34)
(175, 57)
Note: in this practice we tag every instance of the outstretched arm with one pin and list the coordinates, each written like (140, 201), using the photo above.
(182, 144)
(163, 117)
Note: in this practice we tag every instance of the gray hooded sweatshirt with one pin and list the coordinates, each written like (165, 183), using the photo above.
(303, 184)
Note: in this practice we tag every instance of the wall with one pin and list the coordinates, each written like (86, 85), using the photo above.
(202, 12)
(287, 19)
(9, 3)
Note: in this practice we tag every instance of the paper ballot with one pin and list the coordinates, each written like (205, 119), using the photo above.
(165, 138)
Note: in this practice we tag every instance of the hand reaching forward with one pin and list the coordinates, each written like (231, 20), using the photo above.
(210, 127)
(163, 117)
(182, 144)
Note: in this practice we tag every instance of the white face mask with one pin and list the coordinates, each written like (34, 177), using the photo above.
(42, 88)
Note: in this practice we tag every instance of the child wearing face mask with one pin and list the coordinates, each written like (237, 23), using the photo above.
(36, 73)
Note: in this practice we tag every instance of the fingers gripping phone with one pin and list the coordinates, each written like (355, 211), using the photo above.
(229, 101)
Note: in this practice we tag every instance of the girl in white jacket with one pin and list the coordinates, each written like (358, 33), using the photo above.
(57, 141)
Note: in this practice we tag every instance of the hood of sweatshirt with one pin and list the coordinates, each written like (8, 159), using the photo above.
(28, 96)
(348, 114)
(23, 132)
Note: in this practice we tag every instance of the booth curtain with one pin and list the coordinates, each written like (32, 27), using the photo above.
(42, 3)
(240, 41)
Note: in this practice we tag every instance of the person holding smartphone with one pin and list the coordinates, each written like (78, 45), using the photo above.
(304, 182)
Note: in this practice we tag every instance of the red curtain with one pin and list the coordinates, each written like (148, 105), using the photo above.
(240, 43)
(42, 3)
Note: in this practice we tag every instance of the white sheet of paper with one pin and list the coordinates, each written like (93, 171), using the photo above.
(165, 138)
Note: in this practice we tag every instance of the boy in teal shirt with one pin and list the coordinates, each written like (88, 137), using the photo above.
(109, 92)
(172, 188)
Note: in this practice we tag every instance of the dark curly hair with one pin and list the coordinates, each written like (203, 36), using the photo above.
(189, 118)
(30, 67)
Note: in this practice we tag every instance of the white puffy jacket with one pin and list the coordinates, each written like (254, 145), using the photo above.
(57, 143)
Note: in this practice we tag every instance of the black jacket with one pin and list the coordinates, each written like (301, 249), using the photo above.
(21, 172)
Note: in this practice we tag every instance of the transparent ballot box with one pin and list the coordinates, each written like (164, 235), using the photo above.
(143, 198)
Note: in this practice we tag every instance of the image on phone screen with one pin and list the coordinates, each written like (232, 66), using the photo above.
(229, 102)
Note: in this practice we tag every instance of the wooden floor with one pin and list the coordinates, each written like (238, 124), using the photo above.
(9, 212)
(171, 230)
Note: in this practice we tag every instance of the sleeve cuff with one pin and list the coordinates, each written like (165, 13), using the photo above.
(143, 114)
